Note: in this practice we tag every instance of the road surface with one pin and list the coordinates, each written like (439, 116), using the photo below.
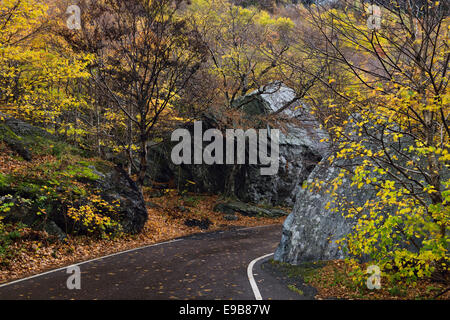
(203, 266)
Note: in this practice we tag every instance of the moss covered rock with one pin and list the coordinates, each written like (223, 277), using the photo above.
(61, 191)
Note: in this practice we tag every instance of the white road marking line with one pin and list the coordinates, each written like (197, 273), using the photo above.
(252, 279)
(250, 228)
(84, 262)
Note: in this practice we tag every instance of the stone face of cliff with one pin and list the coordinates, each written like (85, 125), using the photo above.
(311, 230)
(301, 147)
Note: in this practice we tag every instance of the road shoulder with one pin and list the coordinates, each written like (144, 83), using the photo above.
(275, 282)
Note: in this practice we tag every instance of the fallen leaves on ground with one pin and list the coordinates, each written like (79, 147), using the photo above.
(332, 281)
(38, 252)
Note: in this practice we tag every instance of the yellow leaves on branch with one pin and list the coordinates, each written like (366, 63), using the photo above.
(34, 74)
(96, 217)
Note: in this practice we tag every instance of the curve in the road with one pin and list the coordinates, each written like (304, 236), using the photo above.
(202, 266)
(251, 279)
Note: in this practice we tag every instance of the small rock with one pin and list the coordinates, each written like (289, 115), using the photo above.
(231, 217)
(245, 209)
(223, 208)
(19, 148)
(202, 224)
(278, 212)
(51, 228)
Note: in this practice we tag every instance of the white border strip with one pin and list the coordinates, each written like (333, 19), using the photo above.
(250, 228)
(87, 261)
(252, 279)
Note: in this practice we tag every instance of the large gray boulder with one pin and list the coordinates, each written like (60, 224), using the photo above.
(302, 146)
(115, 185)
(311, 230)
(200, 178)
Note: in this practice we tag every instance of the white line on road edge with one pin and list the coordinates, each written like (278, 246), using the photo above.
(250, 228)
(252, 279)
(84, 262)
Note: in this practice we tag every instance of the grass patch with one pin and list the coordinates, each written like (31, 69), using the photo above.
(7, 133)
(305, 271)
(4, 181)
(295, 289)
(333, 280)
(191, 201)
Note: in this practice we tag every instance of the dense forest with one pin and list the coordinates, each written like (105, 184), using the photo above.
(91, 92)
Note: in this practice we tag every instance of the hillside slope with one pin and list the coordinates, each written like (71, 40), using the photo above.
(52, 186)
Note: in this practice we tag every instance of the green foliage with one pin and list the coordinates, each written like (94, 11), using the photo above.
(99, 218)
(392, 135)
(191, 201)
(81, 172)
(239, 40)
(5, 206)
(4, 181)
(36, 70)
(402, 228)
(295, 289)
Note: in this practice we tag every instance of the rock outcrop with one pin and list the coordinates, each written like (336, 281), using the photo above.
(115, 185)
(301, 148)
(310, 231)
(63, 179)
(245, 209)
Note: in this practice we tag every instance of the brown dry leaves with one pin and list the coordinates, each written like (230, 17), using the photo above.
(333, 281)
(36, 252)
(10, 163)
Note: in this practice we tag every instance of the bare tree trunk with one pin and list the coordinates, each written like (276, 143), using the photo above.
(143, 164)
(97, 114)
(230, 183)
(129, 147)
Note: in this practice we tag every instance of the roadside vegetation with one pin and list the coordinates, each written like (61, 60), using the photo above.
(103, 94)
(333, 280)
(25, 251)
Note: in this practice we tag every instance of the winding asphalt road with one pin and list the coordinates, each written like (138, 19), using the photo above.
(203, 266)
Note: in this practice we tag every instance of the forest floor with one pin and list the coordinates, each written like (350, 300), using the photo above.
(332, 280)
(36, 252)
